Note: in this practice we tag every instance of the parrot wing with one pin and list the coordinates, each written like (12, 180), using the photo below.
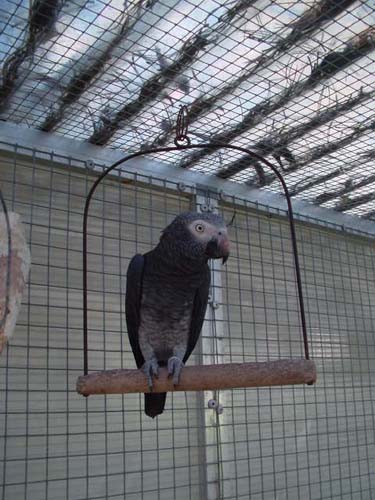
(198, 313)
(154, 403)
(134, 279)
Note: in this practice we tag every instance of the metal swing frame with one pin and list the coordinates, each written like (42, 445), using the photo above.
(282, 372)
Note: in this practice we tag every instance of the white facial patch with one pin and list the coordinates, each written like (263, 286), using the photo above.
(204, 231)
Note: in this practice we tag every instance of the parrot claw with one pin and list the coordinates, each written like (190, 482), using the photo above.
(175, 366)
(150, 369)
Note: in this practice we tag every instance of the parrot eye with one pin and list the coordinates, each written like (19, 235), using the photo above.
(199, 228)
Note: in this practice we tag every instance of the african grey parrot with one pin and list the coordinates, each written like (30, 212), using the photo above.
(167, 293)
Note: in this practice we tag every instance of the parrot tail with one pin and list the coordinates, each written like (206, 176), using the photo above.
(154, 403)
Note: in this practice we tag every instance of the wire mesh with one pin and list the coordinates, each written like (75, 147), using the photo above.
(310, 444)
(293, 80)
(316, 442)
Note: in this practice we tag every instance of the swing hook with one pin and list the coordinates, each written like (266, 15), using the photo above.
(182, 124)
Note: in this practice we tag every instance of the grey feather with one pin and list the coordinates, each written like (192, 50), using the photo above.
(167, 294)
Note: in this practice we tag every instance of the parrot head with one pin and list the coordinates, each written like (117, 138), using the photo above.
(199, 235)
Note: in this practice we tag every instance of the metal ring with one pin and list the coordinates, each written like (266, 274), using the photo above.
(182, 140)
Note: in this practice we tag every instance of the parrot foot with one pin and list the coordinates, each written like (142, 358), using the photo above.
(175, 366)
(150, 369)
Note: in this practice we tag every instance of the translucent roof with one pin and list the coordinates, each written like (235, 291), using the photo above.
(294, 81)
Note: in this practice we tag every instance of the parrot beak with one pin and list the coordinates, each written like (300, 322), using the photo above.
(218, 248)
(224, 247)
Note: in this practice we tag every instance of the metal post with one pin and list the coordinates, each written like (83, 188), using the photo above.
(212, 353)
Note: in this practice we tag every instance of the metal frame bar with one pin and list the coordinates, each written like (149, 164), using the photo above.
(72, 153)
(181, 147)
(211, 349)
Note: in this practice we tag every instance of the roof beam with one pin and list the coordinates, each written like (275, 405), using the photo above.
(84, 78)
(41, 25)
(277, 143)
(347, 203)
(332, 63)
(319, 152)
(348, 188)
(156, 84)
(369, 215)
(321, 12)
(300, 187)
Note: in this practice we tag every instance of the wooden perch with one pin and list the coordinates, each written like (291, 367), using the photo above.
(202, 377)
